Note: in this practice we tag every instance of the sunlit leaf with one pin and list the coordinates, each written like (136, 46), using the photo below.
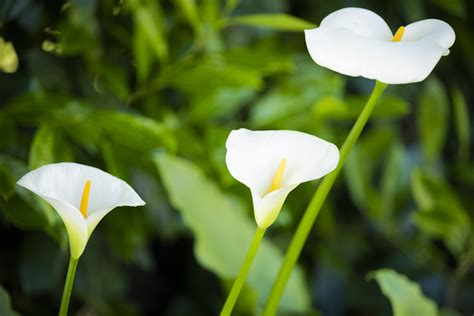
(405, 296)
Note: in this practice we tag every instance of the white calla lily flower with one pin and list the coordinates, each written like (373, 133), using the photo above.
(82, 196)
(358, 42)
(273, 163)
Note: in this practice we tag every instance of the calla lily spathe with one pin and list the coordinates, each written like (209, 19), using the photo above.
(81, 195)
(273, 163)
(358, 42)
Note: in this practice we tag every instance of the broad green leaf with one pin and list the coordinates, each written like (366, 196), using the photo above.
(223, 232)
(6, 308)
(432, 119)
(461, 120)
(405, 296)
(277, 21)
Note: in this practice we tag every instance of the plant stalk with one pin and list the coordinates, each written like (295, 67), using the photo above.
(71, 272)
(316, 203)
(240, 280)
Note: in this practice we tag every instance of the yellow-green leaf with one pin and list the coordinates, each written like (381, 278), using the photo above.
(278, 21)
(8, 57)
(405, 296)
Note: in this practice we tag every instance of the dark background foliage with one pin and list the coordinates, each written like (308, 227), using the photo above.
(149, 90)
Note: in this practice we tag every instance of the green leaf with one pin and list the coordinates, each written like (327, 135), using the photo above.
(220, 103)
(264, 59)
(143, 56)
(134, 131)
(361, 167)
(148, 17)
(433, 119)
(6, 308)
(405, 296)
(29, 109)
(278, 21)
(389, 107)
(47, 147)
(461, 120)
(396, 176)
(288, 105)
(214, 72)
(223, 232)
(441, 213)
(190, 12)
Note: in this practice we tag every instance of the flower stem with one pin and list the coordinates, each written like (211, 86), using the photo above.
(71, 272)
(240, 280)
(316, 203)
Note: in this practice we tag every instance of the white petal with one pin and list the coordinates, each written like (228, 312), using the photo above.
(433, 30)
(62, 185)
(253, 157)
(75, 223)
(266, 209)
(361, 22)
(94, 219)
(343, 48)
(65, 182)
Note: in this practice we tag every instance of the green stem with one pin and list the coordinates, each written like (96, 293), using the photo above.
(239, 282)
(316, 203)
(71, 272)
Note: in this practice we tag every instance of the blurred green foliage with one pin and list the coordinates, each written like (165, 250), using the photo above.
(149, 90)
